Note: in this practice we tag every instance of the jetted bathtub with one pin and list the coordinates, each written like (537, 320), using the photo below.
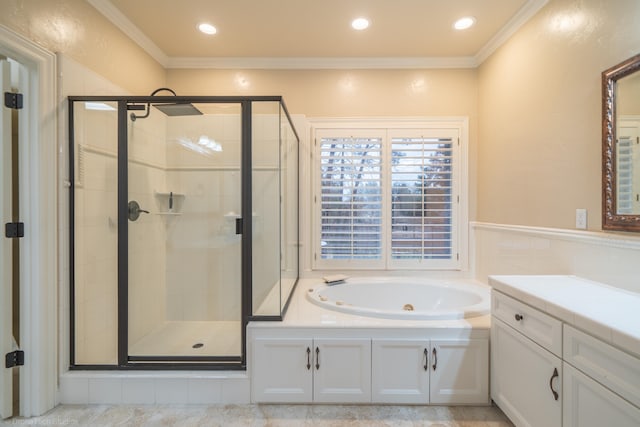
(404, 298)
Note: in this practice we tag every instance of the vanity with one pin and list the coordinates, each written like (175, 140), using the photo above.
(565, 351)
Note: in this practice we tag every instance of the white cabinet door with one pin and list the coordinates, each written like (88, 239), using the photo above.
(400, 371)
(459, 372)
(589, 404)
(525, 378)
(282, 370)
(342, 370)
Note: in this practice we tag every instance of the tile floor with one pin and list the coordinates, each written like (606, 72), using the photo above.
(267, 416)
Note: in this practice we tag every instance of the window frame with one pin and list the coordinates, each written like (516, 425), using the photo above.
(388, 128)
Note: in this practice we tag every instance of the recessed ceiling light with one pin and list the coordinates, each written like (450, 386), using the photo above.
(360, 23)
(207, 28)
(464, 23)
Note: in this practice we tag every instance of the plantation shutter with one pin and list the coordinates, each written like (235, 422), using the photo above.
(351, 198)
(422, 198)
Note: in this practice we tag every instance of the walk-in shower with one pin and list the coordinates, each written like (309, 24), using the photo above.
(183, 227)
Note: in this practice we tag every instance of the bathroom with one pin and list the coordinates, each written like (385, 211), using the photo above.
(534, 147)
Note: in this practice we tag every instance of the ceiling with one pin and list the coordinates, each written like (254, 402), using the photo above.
(317, 33)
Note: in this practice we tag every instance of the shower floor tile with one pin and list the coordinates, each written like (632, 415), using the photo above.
(183, 338)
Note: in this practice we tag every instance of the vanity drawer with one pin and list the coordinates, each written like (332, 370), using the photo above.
(536, 325)
(613, 368)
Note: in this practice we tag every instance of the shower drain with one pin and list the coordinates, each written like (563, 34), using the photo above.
(197, 345)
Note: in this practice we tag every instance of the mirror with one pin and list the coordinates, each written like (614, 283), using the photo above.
(621, 146)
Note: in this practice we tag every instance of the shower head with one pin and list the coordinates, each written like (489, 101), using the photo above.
(172, 110)
(178, 109)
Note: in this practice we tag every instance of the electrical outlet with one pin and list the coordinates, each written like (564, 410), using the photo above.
(581, 219)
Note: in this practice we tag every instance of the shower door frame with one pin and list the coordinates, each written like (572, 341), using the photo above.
(125, 361)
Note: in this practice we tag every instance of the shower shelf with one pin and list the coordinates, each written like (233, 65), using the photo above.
(168, 200)
(167, 194)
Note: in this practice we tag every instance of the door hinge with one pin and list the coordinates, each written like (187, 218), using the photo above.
(13, 100)
(15, 358)
(14, 230)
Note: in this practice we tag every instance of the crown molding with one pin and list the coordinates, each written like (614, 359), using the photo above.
(523, 15)
(113, 14)
(117, 18)
(322, 63)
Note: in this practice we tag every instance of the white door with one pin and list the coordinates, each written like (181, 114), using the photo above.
(589, 404)
(6, 301)
(282, 370)
(525, 378)
(460, 372)
(400, 371)
(342, 370)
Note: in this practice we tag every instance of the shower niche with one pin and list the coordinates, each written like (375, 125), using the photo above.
(183, 227)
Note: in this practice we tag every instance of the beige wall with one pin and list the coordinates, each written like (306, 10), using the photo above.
(351, 93)
(540, 106)
(534, 106)
(75, 28)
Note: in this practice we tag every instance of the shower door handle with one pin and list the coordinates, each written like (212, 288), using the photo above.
(238, 225)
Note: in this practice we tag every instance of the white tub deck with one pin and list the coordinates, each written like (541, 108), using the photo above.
(303, 315)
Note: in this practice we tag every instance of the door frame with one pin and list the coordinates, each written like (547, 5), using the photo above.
(39, 282)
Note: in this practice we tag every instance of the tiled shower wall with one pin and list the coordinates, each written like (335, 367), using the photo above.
(203, 250)
(147, 235)
(96, 233)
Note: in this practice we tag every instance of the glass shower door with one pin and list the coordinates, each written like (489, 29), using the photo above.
(184, 255)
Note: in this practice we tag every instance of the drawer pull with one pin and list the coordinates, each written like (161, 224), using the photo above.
(435, 358)
(519, 317)
(555, 375)
(426, 359)
(308, 358)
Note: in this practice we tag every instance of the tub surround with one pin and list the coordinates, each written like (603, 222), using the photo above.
(580, 342)
(409, 298)
(303, 314)
(321, 356)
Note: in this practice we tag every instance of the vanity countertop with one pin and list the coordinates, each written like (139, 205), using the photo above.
(609, 313)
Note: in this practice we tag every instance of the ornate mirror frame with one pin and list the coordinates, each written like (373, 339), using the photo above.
(611, 220)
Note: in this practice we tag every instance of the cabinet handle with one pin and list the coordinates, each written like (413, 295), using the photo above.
(308, 358)
(435, 358)
(426, 359)
(555, 375)
(519, 317)
(317, 358)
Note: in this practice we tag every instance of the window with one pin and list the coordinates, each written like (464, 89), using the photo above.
(390, 197)
(351, 197)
